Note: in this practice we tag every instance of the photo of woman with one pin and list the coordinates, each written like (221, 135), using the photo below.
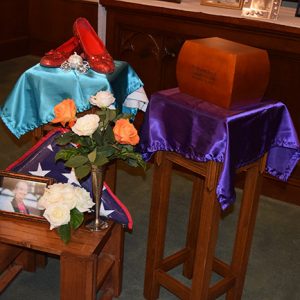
(20, 196)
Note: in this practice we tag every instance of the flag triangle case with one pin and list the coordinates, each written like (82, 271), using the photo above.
(40, 161)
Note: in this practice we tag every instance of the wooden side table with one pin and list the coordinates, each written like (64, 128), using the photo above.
(213, 143)
(198, 255)
(92, 261)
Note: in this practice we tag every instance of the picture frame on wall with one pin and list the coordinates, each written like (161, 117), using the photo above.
(233, 4)
(19, 194)
(264, 9)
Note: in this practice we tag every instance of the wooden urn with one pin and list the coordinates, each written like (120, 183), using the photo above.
(222, 72)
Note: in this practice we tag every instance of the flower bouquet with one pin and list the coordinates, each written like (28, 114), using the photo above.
(64, 206)
(99, 137)
(94, 140)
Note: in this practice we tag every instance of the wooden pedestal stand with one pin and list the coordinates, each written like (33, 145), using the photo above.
(198, 255)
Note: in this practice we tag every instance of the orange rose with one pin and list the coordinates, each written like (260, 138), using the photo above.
(125, 132)
(65, 112)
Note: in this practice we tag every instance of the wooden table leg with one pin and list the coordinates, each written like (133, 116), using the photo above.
(77, 277)
(27, 259)
(114, 248)
(157, 223)
(8, 270)
(8, 254)
(41, 260)
(207, 235)
(191, 240)
(245, 228)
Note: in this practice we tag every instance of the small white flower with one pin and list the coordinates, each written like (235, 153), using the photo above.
(102, 99)
(57, 214)
(86, 125)
(84, 201)
(68, 196)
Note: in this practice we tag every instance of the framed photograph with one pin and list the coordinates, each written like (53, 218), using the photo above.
(19, 194)
(265, 9)
(233, 4)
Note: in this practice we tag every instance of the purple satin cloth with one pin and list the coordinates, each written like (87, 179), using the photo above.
(202, 131)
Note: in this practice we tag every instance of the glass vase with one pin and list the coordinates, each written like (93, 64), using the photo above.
(98, 175)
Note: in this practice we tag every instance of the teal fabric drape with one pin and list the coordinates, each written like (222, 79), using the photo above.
(30, 104)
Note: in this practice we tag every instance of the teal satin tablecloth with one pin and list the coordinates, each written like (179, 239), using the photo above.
(30, 104)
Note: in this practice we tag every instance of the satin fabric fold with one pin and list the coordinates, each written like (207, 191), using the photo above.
(30, 104)
(202, 131)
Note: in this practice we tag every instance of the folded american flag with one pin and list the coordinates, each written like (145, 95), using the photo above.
(40, 161)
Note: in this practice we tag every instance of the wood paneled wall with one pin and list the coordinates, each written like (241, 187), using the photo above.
(14, 31)
(36, 26)
(51, 21)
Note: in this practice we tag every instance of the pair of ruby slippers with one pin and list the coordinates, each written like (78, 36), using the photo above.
(85, 40)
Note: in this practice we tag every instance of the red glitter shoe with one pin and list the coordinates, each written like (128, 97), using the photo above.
(54, 58)
(95, 52)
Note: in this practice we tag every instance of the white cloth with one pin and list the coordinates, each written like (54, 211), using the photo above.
(138, 99)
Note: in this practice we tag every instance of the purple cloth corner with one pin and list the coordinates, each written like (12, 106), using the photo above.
(202, 131)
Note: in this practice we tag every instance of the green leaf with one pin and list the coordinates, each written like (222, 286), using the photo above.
(66, 154)
(106, 150)
(64, 231)
(101, 159)
(84, 151)
(84, 141)
(92, 156)
(132, 162)
(98, 137)
(132, 158)
(109, 137)
(76, 218)
(65, 138)
(82, 171)
(128, 148)
(76, 161)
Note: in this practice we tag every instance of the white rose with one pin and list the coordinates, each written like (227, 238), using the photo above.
(43, 201)
(68, 195)
(57, 215)
(86, 125)
(84, 201)
(102, 99)
(58, 193)
(51, 195)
